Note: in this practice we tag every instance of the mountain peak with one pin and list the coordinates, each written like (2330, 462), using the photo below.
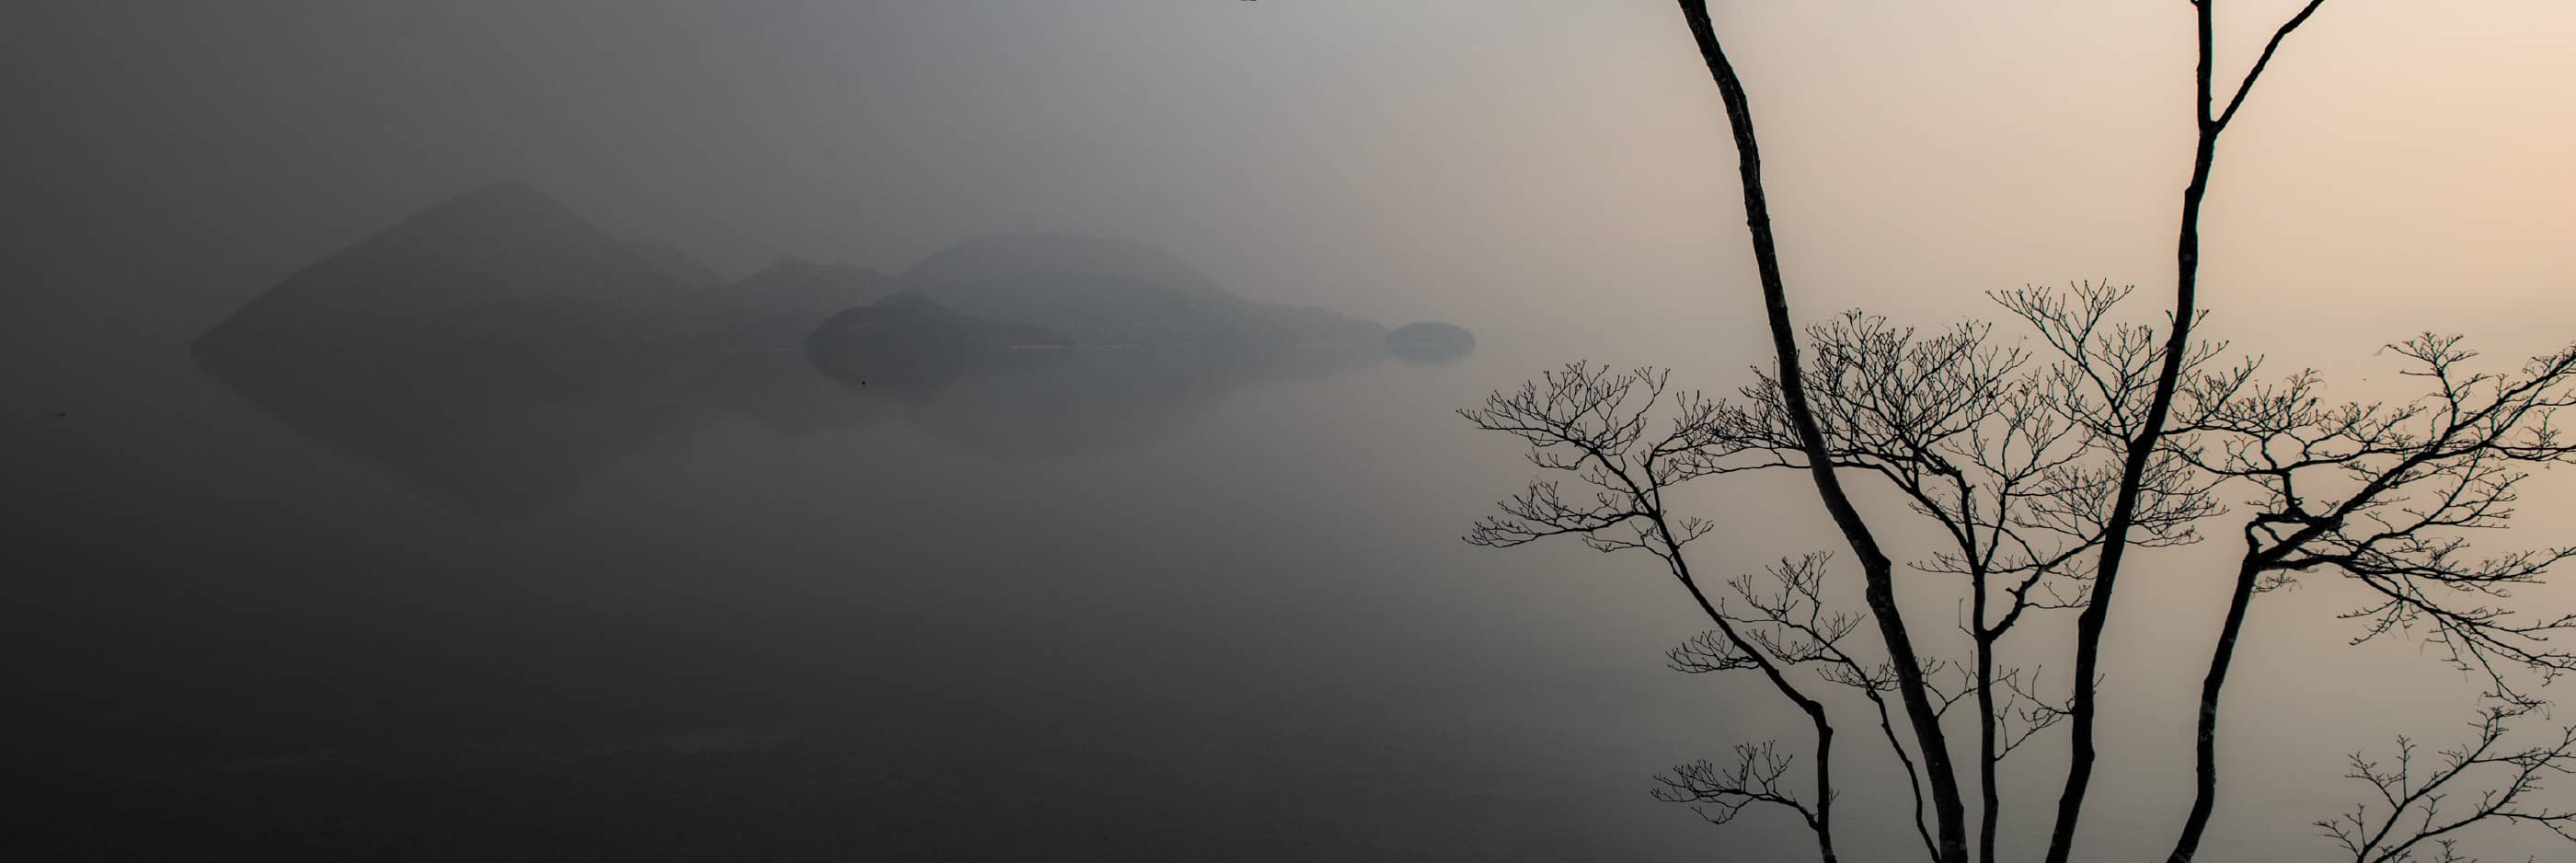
(500, 243)
(510, 210)
(431, 347)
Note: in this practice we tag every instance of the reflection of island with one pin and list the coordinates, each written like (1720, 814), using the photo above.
(1091, 400)
(910, 343)
(497, 350)
(1059, 343)
(1431, 342)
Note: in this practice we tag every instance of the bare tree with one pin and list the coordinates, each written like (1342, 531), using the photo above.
(2139, 457)
(1596, 426)
(1787, 628)
(2013, 459)
(2041, 469)
(1885, 389)
(2385, 494)
(1877, 570)
(2142, 449)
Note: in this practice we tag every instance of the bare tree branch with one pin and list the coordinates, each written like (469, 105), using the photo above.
(2384, 495)
(1594, 424)
(2143, 449)
(1877, 571)
(2416, 806)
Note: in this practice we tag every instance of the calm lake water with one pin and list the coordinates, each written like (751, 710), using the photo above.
(1182, 609)
(1120, 608)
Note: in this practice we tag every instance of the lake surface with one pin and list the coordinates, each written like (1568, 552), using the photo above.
(1122, 608)
(1199, 614)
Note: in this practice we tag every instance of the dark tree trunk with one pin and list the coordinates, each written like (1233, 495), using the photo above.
(1876, 569)
(2097, 612)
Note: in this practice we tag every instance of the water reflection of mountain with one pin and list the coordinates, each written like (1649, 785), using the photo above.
(494, 351)
(1089, 400)
(498, 350)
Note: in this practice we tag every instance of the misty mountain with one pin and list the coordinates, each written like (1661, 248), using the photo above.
(910, 342)
(495, 349)
(1100, 291)
(1082, 402)
(501, 266)
(498, 349)
(785, 301)
(675, 263)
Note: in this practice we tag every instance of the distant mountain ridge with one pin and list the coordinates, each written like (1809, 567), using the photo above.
(675, 263)
(498, 348)
(793, 296)
(1099, 291)
(503, 264)
(507, 268)
(495, 349)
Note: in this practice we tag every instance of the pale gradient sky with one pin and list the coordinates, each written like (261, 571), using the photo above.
(1557, 172)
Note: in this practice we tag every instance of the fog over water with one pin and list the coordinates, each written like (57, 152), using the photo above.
(1134, 601)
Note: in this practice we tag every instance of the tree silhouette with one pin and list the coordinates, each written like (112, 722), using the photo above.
(2040, 468)
(2384, 494)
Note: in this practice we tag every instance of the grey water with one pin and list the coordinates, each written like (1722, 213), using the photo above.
(1216, 616)
(1115, 605)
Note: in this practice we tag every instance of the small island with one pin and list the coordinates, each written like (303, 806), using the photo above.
(910, 338)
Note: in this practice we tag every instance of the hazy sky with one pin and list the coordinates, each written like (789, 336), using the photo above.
(1548, 171)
